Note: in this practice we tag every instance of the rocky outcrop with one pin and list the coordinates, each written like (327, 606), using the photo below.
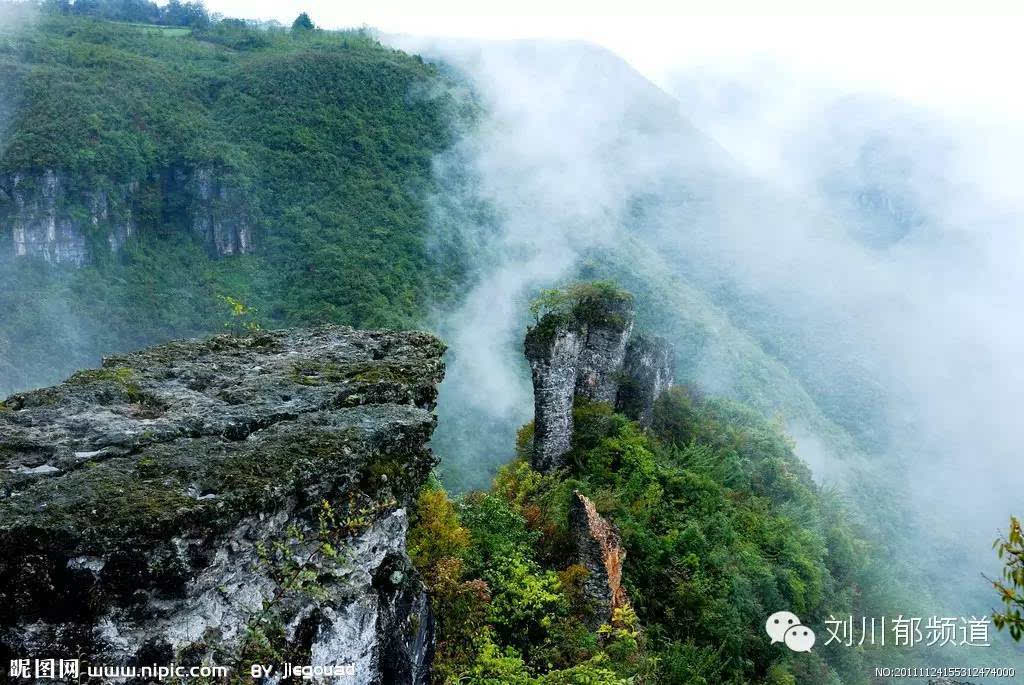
(47, 216)
(603, 352)
(239, 499)
(553, 365)
(589, 352)
(598, 549)
(46, 219)
(220, 215)
(647, 373)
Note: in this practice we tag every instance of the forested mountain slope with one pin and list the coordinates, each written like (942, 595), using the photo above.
(148, 156)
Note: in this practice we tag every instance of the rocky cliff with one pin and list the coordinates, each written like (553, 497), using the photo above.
(603, 352)
(46, 218)
(50, 216)
(587, 350)
(219, 214)
(553, 365)
(231, 501)
(646, 373)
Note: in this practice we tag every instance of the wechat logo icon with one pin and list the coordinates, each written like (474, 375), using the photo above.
(785, 627)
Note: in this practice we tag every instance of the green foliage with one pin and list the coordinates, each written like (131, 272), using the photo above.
(243, 318)
(707, 508)
(593, 302)
(1011, 588)
(145, 12)
(435, 533)
(326, 138)
(302, 23)
(722, 525)
(525, 601)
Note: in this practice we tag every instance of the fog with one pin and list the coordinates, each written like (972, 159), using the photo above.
(920, 289)
(870, 244)
(559, 169)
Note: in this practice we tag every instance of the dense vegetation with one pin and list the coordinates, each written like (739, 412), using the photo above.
(173, 13)
(721, 523)
(328, 137)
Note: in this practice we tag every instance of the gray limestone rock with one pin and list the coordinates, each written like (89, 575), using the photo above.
(46, 215)
(38, 211)
(169, 506)
(603, 353)
(647, 373)
(553, 364)
(220, 215)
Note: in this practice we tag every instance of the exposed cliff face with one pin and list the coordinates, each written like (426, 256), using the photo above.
(597, 359)
(603, 353)
(553, 365)
(647, 372)
(220, 215)
(169, 506)
(47, 219)
(47, 216)
(598, 549)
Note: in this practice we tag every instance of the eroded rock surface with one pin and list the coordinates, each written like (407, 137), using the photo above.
(591, 353)
(647, 373)
(603, 353)
(48, 216)
(220, 214)
(599, 549)
(38, 211)
(169, 506)
(553, 365)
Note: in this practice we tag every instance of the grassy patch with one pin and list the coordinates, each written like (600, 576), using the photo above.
(122, 377)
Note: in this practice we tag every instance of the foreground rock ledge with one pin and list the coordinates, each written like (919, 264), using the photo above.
(169, 506)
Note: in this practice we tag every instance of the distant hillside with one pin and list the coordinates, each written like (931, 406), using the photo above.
(148, 155)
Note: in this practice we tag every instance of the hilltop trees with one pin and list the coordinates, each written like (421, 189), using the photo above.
(302, 23)
(174, 13)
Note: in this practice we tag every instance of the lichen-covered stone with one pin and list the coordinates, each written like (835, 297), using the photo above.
(598, 548)
(156, 505)
(603, 353)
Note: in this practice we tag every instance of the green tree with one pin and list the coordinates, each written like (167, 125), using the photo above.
(302, 23)
(1011, 587)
